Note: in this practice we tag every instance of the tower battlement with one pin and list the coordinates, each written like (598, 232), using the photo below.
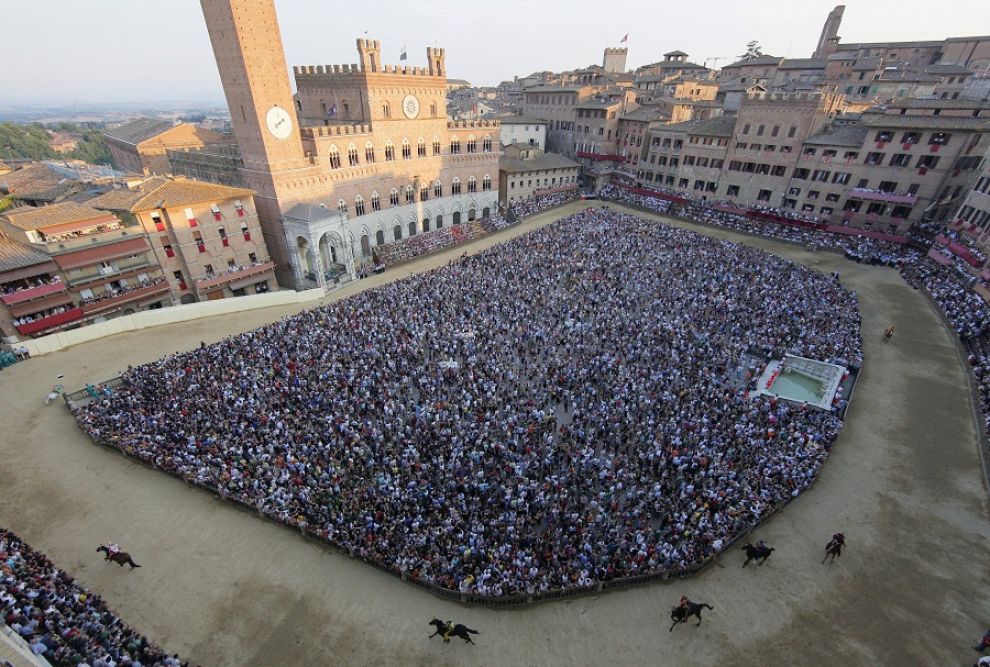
(369, 54)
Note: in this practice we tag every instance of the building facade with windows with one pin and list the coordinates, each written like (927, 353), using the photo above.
(140, 146)
(206, 237)
(523, 130)
(98, 269)
(527, 171)
(369, 140)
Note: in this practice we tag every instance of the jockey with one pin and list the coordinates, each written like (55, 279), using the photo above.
(112, 550)
(684, 602)
(450, 628)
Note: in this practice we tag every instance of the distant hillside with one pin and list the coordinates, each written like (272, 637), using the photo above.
(33, 141)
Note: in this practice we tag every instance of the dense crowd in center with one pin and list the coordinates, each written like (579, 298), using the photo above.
(558, 410)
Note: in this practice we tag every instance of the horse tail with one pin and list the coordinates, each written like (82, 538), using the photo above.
(473, 632)
(708, 606)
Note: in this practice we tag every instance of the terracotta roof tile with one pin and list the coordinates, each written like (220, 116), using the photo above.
(29, 218)
(182, 192)
(15, 255)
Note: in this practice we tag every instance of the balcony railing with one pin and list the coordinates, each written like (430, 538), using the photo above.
(91, 240)
(32, 293)
(224, 278)
(123, 266)
(125, 297)
(49, 322)
(878, 195)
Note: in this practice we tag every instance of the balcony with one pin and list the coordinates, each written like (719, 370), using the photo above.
(49, 322)
(878, 195)
(91, 307)
(122, 269)
(91, 240)
(238, 274)
(32, 293)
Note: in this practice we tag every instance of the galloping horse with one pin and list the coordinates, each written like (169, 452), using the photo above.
(760, 552)
(121, 558)
(681, 613)
(834, 547)
(459, 630)
(888, 333)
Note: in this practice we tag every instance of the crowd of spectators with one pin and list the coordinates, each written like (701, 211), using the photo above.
(532, 205)
(950, 286)
(30, 283)
(535, 417)
(62, 621)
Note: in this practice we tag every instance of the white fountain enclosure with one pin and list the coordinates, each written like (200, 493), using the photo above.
(801, 380)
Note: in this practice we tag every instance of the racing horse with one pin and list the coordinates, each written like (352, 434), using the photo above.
(760, 553)
(888, 333)
(834, 547)
(459, 630)
(121, 558)
(682, 612)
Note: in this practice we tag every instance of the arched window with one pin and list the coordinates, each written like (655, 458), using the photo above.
(334, 157)
(376, 202)
(471, 214)
(380, 237)
(438, 189)
(386, 112)
(439, 221)
(472, 184)
(389, 151)
(359, 205)
(412, 228)
(424, 192)
(342, 206)
(352, 155)
(323, 107)
(426, 225)
(397, 232)
(436, 146)
(369, 153)
(433, 109)
(393, 197)
(410, 194)
(455, 146)
(455, 186)
(457, 217)
(421, 148)
(406, 149)
(486, 145)
(472, 144)
(486, 183)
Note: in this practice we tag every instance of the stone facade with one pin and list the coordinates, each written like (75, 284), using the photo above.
(528, 171)
(367, 139)
(140, 146)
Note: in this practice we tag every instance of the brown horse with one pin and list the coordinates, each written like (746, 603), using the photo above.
(121, 558)
(681, 614)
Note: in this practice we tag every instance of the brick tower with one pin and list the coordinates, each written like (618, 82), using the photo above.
(247, 45)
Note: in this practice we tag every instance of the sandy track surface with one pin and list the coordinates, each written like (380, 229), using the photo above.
(223, 587)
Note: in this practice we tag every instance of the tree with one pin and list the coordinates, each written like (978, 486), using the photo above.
(753, 50)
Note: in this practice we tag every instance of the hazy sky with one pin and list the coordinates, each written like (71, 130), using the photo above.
(158, 50)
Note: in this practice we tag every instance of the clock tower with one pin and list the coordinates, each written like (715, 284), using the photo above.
(248, 48)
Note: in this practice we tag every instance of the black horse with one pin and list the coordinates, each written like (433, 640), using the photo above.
(462, 631)
(760, 552)
(681, 613)
(834, 547)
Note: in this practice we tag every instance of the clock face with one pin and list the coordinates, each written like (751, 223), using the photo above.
(410, 106)
(279, 122)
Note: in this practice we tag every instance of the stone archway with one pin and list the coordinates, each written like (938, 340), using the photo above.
(307, 262)
(457, 217)
(439, 221)
(365, 246)
(380, 237)
(486, 212)
(472, 214)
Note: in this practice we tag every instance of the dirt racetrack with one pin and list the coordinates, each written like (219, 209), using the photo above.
(223, 587)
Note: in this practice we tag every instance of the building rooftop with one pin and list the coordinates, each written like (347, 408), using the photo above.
(925, 122)
(520, 120)
(183, 191)
(934, 103)
(29, 218)
(541, 163)
(851, 135)
(31, 178)
(758, 60)
(311, 212)
(138, 130)
(720, 126)
(16, 256)
(737, 86)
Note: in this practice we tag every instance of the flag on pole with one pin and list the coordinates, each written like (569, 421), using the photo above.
(625, 39)
(402, 55)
